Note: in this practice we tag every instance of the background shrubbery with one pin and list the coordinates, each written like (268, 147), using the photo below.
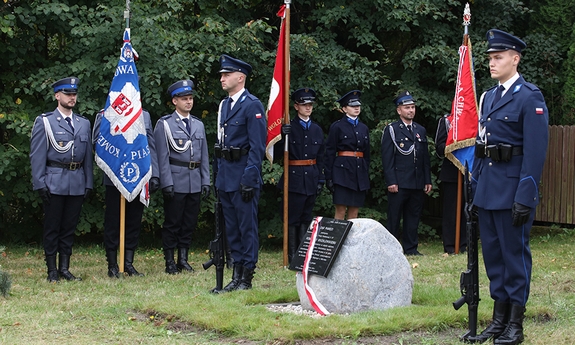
(379, 47)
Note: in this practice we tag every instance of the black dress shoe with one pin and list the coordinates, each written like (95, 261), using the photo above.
(415, 253)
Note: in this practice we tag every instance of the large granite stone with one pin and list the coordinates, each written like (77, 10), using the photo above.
(370, 273)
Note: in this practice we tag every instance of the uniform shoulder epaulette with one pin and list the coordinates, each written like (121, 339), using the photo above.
(491, 88)
(252, 97)
(47, 114)
(82, 116)
(531, 87)
(196, 118)
(167, 116)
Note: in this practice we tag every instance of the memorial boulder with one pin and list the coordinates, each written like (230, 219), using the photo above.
(370, 272)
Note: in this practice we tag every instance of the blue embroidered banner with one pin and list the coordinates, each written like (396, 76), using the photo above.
(122, 150)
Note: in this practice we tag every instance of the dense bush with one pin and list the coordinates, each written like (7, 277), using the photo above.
(379, 47)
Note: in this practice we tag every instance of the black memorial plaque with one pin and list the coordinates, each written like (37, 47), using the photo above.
(331, 234)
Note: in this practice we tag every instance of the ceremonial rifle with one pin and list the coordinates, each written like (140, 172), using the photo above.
(219, 254)
(469, 280)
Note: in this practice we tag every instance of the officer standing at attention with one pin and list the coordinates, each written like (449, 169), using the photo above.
(510, 153)
(406, 167)
(242, 132)
(449, 176)
(134, 210)
(184, 174)
(306, 178)
(61, 161)
(347, 158)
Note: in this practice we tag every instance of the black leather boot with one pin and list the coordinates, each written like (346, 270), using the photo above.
(52, 270)
(171, 267)
(292, 241)
(129, 264)
(247, 276)
(183, 264)
(63, 268)
(301, 235)
(513, 334)
(497, 325)
(236, 278)
(113, 269)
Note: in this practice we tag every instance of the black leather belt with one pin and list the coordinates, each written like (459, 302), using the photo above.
(69, 166)
(190, 165)
(515, 151)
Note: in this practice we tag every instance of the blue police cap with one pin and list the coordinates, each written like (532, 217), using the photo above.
(67, 86)
(229, 64)
(181, 88)
(350, 99)
(404, 98)
(498, 41)
(303, 96)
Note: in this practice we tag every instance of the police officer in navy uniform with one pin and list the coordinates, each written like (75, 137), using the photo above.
(61, 161)
(242, 132)
(449, 176)
(134, 210)
(347, 158)
(406, 167)
(306, 158)
(510, 153)
(184, 174)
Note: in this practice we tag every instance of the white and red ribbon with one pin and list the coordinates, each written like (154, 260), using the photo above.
(315, 303)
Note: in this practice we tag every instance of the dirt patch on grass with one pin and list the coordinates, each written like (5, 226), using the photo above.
(172, 323)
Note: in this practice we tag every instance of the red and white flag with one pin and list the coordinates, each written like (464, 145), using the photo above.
(276, 103)
(460, 144)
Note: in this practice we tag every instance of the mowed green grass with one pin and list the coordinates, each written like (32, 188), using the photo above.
(165, 309)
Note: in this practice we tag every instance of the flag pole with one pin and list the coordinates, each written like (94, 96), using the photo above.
(122, 199)
(466, 22)
(286, 121)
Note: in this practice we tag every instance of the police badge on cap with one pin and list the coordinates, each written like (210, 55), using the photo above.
(404, 98)
(350, 99)
(68, 86)
(498, 41)
(229, 64)
(303, 96)
(181, 88)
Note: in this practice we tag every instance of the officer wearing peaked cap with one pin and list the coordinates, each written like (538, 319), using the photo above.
(61, 162)
(306, 158)
(182, 150)
(347, 158)
(242, 132)
(506, 174)
(407, 172)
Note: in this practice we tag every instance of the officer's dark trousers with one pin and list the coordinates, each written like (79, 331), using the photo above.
(180, 220)
(407, 203)
(61, 217)
(133, 226)
(507, 255)
(300, 208)
(449, 220)
(242, 227)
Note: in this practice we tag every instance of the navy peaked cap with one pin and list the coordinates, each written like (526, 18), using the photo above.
(181, 88)
(67, 85)
(229, 64)
(498, 41)
(303, 96)
(404, 98)
(350, 99)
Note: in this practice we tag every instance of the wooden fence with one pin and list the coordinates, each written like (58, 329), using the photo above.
(557, 204)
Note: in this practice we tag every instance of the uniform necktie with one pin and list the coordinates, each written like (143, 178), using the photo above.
(410, 130)
(304, 124)
(69, 120)
(187, 122)
(227, 108)
(352, 121)
(498, 95)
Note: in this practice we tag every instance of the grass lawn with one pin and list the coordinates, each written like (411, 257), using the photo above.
(165, 309)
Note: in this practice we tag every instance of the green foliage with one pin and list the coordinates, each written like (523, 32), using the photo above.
(380, 47)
